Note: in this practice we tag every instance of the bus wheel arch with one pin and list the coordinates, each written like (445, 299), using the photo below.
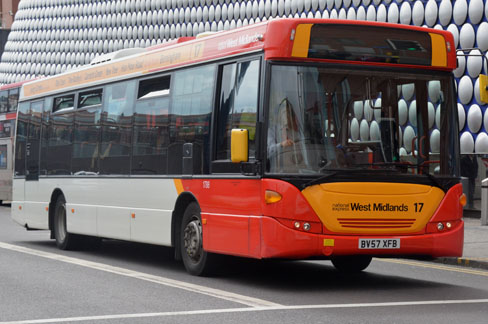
(182, 203)
(188, 238)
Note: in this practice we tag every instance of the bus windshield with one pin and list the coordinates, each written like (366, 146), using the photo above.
(327, 119)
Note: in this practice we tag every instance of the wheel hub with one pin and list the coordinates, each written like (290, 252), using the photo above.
(193, 239)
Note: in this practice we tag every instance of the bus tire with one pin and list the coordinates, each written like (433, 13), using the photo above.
(351, 263)
(64, 240)
(197, 261)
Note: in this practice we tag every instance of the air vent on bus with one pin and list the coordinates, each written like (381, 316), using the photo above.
(116, 55)
(376, 222)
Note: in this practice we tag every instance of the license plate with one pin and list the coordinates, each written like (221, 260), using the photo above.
(378, 244)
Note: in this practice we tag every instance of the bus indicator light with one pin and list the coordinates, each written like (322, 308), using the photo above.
(463, 200)
(297, 225)
(271, 197)
(306, 226)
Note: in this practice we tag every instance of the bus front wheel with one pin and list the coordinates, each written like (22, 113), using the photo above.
(197, 261)
(351, 263)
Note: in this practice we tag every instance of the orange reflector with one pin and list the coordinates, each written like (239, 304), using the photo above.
(204, 221)
(272, 197)
(47, 208)
(73, 210)
(463, 200)
(133, 215)
(20, 207)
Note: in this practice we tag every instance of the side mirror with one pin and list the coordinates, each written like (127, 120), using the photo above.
(484, 88)
(239, 143)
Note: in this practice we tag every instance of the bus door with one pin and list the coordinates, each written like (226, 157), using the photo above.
(34, 209)
(236, 194)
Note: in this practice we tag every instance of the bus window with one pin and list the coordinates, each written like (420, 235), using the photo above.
(21, 139)
(3, 156)
(64, 103)
(191, 107)
(33, 141)
(151, 127)
(154, 87)
(238, 105)
(90, 98)
(60, 144)
(45, 133)
(4, 101)
(13, 99)
(117, 128)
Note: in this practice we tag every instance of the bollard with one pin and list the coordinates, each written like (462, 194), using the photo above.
(484, 202)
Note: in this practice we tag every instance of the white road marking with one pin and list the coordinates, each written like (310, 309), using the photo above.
(436, 266)
(222, 294)
(248, 309)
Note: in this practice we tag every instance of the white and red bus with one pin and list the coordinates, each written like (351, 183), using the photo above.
(292, 138)
(9, 97)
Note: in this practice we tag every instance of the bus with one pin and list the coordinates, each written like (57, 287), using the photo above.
(9, 97)
(290, 138)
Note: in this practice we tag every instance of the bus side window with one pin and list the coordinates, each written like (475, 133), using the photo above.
(4, 101)
(13, 99)
(117, 119)
(151, 127)
(34, 140)
(191, 107)
(87, 133)
(238, 106)
(21, 139)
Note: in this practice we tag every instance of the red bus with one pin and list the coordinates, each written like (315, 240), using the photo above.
(292, 138)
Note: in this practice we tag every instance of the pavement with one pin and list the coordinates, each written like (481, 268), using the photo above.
(475, 254)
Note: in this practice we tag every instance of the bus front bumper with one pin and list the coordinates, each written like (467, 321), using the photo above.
(278, 241)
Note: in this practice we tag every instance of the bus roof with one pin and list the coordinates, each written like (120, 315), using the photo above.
(283, 39)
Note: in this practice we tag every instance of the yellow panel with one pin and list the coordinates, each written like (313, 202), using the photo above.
(483, 88)
(179, 186)
(374, 208)
(239, 145)
(439, 51)
(302, 40)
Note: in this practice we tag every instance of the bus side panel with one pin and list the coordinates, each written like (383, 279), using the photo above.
(18, 201)
(231, 209)
(135, 209)
(35, 212)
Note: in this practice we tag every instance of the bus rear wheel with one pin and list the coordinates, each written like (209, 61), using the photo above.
(64, 240)
(197, 261)
(351, 263)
